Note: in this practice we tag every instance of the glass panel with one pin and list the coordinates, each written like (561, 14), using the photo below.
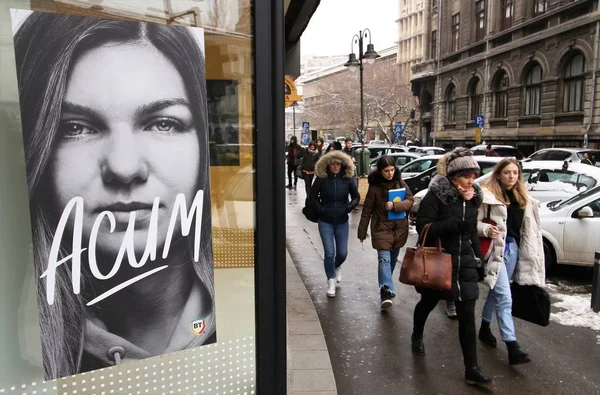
(191, 99)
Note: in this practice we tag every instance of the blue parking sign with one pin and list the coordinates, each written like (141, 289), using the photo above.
(305, 136)
(479, 121)
(398, 131)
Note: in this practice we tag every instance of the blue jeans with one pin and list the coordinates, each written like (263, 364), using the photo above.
(387, 262)
(499, 299)
(335, 245)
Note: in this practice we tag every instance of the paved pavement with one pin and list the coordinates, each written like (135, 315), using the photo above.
(370, 350)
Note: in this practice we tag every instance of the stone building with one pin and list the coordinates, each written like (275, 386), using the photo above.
(528, 66)
(412, 46)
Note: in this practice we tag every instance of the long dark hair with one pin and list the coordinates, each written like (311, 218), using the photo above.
(46, 47)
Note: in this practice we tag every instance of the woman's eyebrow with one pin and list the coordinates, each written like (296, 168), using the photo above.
(158, 105)
(88, 112)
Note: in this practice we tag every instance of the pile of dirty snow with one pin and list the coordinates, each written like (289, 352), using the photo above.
(576, 311)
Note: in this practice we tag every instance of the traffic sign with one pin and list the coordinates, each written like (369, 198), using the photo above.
(305, 133)
(479, 121)
(398, 131)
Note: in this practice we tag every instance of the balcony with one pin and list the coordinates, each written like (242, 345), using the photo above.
(423, 70)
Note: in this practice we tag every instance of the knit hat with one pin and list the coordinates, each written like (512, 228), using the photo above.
(458, 162)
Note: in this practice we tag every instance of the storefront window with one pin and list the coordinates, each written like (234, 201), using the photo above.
(128, 184)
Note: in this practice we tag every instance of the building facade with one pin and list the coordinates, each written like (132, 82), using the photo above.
(528, 67)
(411, 35)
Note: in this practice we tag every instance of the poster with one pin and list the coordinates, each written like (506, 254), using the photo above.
(115, 129)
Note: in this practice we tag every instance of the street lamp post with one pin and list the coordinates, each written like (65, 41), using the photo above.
(354, 64)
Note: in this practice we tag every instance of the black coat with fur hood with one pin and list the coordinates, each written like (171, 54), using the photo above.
(444, 208)
(329, 192)
(385, 234)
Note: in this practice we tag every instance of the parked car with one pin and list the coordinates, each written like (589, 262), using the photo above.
(376, 150)
(546, 181)
(568, 154)
(505, 151)
(418, 166)
(427, 150)
(402, 158)
(570, 229)
(421, 181)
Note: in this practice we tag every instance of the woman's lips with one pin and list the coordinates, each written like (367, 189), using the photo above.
(122, 212)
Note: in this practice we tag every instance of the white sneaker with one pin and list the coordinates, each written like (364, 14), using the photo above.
(338, 274)
(331, 288)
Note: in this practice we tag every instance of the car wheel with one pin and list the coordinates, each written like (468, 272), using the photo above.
(549, 257)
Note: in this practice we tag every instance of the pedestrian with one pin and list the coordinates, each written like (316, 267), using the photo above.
(450, 207)
(320, 142)
(348, 150)
(587, 159)
(489, 151)
(309, 157)
(517, 250)
(387, 236)
(329, 200)
(293, 160)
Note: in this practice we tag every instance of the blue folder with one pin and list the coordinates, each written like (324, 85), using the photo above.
(396, 195)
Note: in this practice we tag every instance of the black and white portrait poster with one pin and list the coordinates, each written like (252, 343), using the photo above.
(115, 129)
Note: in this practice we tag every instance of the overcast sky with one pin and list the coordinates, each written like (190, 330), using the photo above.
(332, 26)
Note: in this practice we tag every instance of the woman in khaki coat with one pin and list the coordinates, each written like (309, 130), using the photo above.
(387, 236)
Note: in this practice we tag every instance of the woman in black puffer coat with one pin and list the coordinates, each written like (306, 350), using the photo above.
(450, 206)
(329, 200)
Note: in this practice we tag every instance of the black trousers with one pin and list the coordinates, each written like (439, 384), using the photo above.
(308, 179)
(292, 171)
(467, 332)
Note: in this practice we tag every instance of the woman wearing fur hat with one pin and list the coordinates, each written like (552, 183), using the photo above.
(450, 206)
(329, 200)
(517, 250)
(387, 236)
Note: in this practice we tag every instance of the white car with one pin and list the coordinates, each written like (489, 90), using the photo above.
(427, 150)
(546, 180)
(571, 229)
(419, 165)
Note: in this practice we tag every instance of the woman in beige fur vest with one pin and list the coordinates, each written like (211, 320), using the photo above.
(516, 251)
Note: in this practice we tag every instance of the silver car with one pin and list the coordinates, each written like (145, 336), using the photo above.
(569, 154)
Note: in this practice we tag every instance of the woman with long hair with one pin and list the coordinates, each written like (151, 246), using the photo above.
(450, 209)
(387, 235)
(509, 216)
(309, 157)
(115, 128)
(333, 195)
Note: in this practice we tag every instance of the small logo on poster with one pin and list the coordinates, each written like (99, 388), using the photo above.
(198, 327)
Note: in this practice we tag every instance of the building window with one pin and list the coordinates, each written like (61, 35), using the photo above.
(574, 84)
(451, 104)
(480, 20)
(507, 11)
(539, 7)
(533, 91)
(434, 3)
(455, 32)
(501, 96)
(475, 99)
(433, 49)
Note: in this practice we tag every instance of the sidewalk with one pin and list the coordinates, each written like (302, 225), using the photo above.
(308, 364)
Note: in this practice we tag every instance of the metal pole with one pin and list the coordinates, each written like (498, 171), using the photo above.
(362, 117)
(294, 117)
(596, 284)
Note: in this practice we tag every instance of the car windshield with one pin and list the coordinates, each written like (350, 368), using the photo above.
(419, 166)
(575, 199)
(509, 152)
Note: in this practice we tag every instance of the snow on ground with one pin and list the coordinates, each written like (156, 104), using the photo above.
(574, 309)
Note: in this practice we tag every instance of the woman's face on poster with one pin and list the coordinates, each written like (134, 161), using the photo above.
(126, 136)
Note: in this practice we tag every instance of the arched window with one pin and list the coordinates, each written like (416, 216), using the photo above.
(574, 84)
(475, 98)
(501, 95)
(451, 104)
(533, 91)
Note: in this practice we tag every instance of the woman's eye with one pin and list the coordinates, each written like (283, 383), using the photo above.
(165, 126)
(72, 130)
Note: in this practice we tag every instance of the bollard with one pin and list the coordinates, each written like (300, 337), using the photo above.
(596, 284)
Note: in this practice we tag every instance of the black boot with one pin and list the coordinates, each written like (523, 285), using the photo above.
(485, 334)
(516, 356)
(474, 376)
(417, 344)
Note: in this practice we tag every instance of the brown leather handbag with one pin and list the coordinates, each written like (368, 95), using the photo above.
(427, 267)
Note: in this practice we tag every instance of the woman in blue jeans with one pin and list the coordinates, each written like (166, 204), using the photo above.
(510, 218)
(387, 235)
(329, 200)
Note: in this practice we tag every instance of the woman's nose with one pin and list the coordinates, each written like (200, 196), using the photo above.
(124, 160)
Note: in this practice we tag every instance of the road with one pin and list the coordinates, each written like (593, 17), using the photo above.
(370, 350)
